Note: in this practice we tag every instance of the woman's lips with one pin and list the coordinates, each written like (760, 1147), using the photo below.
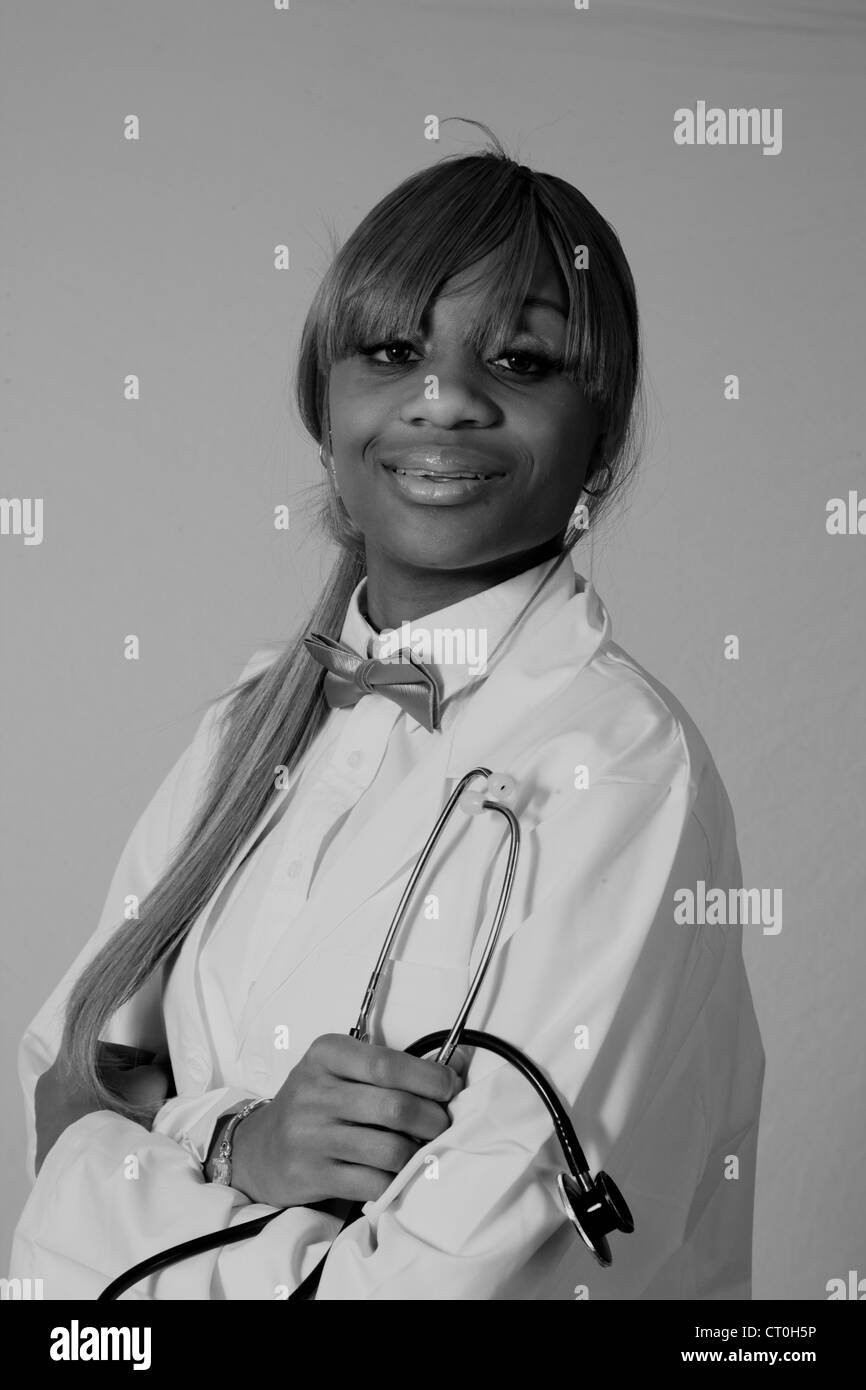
(442, 477)
(441, 489)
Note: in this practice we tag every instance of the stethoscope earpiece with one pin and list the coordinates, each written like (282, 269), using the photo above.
(594, 1211)
(499, 788)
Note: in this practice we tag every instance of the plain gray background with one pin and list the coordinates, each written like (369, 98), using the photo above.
(156, 257)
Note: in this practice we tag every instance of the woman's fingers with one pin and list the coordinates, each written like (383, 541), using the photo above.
(147, 1086)
(354, 1060)
(119, 1055)
(381, 1149)
(348, 1117)
(401, 1111)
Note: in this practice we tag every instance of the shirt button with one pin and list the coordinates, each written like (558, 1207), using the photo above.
(294, 868)
(355, 759)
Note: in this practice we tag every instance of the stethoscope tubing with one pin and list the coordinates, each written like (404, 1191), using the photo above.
(361, 1028)
(212, 1240)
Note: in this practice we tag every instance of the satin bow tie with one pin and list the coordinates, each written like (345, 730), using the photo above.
(404, 679)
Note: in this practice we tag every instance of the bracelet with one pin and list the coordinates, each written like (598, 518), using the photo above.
(222, 1167)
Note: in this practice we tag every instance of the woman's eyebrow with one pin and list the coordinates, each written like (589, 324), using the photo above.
(533, 301)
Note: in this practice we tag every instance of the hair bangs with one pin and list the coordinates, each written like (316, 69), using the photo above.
(418, 239)
(486, 212)
(383, 285)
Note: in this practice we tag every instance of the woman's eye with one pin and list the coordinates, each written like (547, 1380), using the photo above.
(389, 354)
(526, 363)
(520, 362)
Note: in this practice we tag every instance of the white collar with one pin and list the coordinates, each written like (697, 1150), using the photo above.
(461, 642)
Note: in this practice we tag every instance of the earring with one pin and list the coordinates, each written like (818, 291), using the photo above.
(329, 464)
(577, 526)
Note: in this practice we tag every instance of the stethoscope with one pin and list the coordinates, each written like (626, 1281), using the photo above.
(594, 1206)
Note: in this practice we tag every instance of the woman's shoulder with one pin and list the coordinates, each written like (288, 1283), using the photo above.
(644, 733)
(631, 727)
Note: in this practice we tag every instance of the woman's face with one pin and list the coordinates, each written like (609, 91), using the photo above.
(408, 417)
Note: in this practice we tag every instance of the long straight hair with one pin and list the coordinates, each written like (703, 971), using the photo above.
(436, 223)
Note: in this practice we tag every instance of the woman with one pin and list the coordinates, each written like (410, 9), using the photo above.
(470, 369)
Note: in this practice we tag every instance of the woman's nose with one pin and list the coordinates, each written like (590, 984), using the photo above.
(448, 398)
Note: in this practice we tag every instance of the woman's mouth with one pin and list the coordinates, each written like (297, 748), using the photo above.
(436, 478)
(441, 489)
(420, 473)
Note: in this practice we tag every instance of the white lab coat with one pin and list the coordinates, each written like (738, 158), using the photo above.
(645, 1027)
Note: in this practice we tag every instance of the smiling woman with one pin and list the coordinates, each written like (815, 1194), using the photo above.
(498, 431)
(470, 370)
(455, 335)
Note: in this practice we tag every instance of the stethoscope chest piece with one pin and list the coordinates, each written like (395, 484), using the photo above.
(594, 1211)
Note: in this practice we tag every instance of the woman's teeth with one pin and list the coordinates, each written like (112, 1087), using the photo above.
(444, 477)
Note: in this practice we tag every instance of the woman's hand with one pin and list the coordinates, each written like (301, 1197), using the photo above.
(60, 1099)
(347, 1118)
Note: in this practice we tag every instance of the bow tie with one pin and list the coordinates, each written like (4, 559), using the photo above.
(404, 679)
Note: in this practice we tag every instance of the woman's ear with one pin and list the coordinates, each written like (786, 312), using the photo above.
(597, 457)
(596, 461)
